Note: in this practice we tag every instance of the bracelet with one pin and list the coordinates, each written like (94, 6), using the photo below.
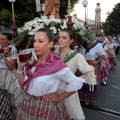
(20, 71)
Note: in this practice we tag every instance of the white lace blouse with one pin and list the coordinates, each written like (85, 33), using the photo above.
(42, 85)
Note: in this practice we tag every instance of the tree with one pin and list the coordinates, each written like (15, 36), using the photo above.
(112, 23)
(25, 10)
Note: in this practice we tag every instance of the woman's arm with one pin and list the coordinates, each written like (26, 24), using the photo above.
(100, 58)
(82, 64)
(10, 64)
(55, 97)
(74, 84)
(20, 70)
(21, 75)
(88, 72)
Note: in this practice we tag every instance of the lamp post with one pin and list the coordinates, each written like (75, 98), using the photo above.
(85, 3)
(14, 27)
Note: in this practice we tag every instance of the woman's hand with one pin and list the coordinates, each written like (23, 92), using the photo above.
(95, 62)
(21, 65)
(6, 51)
(53, 97)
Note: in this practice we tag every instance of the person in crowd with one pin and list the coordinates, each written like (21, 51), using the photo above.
(117, 41)
(102, 34)
(40, 81)
(104, 64)
(74, 61)
(112, 47)
(91, 50)
(10, 92)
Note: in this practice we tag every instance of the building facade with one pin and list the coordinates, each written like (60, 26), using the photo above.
(94, 25)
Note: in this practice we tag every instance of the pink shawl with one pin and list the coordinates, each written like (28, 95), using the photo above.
(51, 64)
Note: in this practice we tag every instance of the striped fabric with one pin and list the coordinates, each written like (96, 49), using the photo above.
(72, 103)
(34, 108)
(85, 94)
(8, 82)
(5, 113)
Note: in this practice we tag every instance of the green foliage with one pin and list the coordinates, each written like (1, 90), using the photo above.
(63, 7)
(21, 36)
(88, 35)
(5, 15)
(112, 23)
(25, 10)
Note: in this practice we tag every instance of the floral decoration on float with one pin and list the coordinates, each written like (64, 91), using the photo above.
(30, 27)
(24, 39)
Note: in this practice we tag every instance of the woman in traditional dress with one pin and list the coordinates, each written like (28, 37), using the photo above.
(74, 61)
(112, 46)
(91, 50)
(41, 79)
(8, 76)
(104, 64)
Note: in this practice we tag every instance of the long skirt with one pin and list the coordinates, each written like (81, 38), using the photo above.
(5, 111)
(112, 62)
(72, 103)
(35, 108)
(105, 66)
(8, 81)
(85, 94)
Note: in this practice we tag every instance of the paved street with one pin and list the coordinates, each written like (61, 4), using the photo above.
(107, 106)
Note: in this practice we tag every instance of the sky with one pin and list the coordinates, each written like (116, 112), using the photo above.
(105, 5)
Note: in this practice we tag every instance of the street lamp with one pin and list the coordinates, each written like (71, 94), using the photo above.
(12, 1)
(85, 3)
(14, 27)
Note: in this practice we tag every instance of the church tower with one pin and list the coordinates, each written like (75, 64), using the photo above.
(97, 17)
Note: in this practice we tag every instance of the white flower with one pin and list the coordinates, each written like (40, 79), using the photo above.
(24, 28)
(82, 25)
(31, 33)
(53, 29)
(44, 17)
(47, 22)
(76, 26)
(64, 26)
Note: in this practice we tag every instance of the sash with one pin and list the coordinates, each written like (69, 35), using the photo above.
(70, 55)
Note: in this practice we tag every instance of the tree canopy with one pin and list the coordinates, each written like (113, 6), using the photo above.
(112, 23)
(25, 10)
